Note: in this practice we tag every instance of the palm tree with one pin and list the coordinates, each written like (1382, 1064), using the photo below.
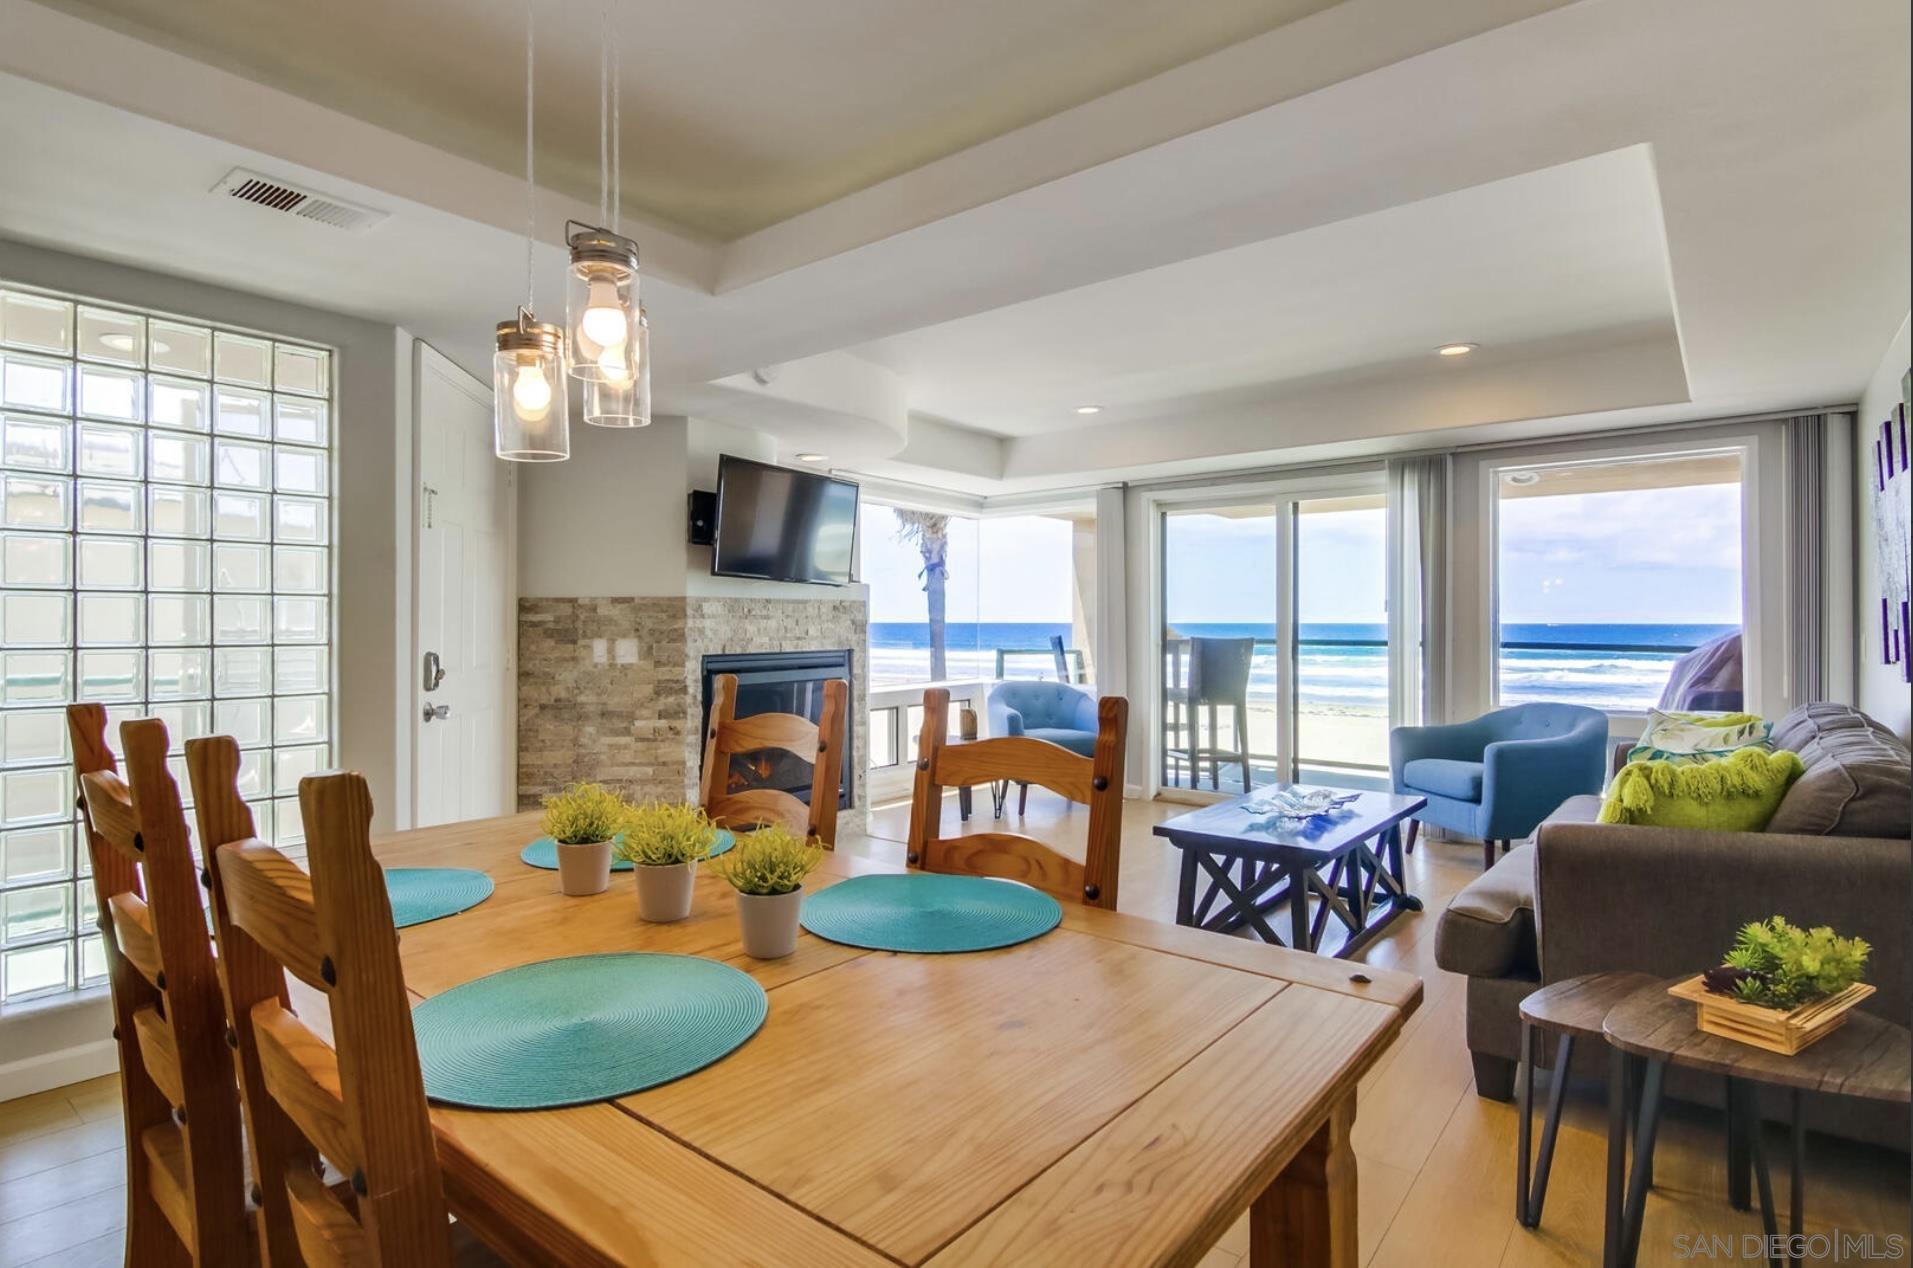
(931, 533)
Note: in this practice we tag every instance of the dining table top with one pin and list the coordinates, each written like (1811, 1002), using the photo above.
(1116, 1091)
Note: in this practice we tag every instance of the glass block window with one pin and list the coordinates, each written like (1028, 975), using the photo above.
(165, 539)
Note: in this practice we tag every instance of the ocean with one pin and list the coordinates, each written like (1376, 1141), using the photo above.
(1343, 668)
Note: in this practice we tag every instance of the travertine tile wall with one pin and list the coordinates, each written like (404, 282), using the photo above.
(632, 720)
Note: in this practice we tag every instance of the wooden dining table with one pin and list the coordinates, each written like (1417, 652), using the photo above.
(1118, 1091)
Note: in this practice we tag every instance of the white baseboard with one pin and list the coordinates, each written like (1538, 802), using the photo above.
(49, 1070)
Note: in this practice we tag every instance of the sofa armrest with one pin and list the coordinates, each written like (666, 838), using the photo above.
(1488, 929)
(1668, 901)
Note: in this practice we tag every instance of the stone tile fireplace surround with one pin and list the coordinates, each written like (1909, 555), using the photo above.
(608, 688)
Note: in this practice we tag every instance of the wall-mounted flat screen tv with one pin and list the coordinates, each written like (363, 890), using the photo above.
(782, 525)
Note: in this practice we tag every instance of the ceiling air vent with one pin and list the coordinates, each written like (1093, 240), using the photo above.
(278, 195)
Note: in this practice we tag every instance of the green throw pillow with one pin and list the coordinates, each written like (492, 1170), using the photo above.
(1738, 793)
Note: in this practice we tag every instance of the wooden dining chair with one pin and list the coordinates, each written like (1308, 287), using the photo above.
(357, 1102)
(819, 743)
(186, 1188)
(1096, 780)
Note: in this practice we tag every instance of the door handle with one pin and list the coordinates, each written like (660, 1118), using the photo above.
(438, 712)
(434, 671)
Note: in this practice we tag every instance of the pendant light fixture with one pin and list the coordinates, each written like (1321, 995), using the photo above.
(601, 286)
(531, 419)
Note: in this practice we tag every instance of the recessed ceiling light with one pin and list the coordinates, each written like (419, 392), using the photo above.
(1089, 409)
(1456, 349)
(1523, 478)
(811, 457)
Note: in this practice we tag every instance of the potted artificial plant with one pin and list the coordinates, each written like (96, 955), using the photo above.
(767, 869)
(584, 820)
(1781, 987)
(664, 843)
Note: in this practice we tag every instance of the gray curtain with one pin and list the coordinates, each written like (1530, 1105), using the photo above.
(1806, 558)
(1419, 495)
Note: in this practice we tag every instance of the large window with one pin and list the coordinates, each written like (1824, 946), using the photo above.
(164, 549)
(966, 601)
(1008, 586)
(1607, 571)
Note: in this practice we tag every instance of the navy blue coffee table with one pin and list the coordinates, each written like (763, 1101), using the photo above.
(1254, 864)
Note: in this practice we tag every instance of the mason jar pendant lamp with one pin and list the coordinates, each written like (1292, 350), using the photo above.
(531, 412)
(601, 286)
(531, 407)
(624, 401)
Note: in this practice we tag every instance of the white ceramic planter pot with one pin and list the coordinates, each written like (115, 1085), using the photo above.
(768, 923)
(584, 869)
(664, 893)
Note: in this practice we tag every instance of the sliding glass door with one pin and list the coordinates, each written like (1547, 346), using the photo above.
(1274, 640)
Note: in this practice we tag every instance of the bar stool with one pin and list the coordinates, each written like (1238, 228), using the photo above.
(1218, 675)
(1573, 1009)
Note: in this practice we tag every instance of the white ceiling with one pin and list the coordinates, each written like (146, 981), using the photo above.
(1568, 253)
(736, 113)
(1642, 211)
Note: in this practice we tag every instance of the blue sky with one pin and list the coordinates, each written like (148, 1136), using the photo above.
(1662, 555)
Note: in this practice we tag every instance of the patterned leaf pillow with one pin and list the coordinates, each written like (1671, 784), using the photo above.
(1689, 738)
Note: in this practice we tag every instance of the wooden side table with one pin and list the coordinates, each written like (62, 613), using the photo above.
(1573, 1009)
(1866, 1057)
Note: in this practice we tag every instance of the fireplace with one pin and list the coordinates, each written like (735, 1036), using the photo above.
(782, 682)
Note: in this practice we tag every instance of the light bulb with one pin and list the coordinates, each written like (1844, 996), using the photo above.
(614, 365)
(603, 322)
(531, 391)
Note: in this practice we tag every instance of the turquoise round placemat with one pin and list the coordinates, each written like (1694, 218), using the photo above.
(581, 1029)
(420, 894)
(929, 911)
(544, 853)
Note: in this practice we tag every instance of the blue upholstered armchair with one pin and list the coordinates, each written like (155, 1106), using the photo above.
(1500, 775)
(1053, 711)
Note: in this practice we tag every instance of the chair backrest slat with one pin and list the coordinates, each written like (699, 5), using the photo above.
(359, 1101)
(185, 1170)
(1019, 758)
(1097, 780)
(820, 743)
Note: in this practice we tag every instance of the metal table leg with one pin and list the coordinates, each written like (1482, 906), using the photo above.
(1644, 1133)
(1796, 1184)
(1763, 1179)
(1739, 1159)
(1532, 1192)
(1617, 1081)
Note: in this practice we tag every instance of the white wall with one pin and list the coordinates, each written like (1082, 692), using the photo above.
(1881, 690)
(613, 521)
(59, 1042)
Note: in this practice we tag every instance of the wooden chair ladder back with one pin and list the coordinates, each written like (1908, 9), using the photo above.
(1096, 781)
(358, 1101)
(820, 743)
(186, 1189)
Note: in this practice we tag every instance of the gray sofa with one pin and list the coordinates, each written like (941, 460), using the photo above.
(1586, 897)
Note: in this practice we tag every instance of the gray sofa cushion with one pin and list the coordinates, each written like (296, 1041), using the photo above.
(1488, 929)
(1858, 780)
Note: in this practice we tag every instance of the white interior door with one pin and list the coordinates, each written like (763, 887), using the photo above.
(464, 716)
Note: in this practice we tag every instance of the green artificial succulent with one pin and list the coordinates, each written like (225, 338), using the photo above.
(1777, 965)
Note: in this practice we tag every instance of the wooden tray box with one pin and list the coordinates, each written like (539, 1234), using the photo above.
(1770, 1028)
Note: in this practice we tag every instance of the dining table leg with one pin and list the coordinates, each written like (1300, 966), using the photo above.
(1307, 1214)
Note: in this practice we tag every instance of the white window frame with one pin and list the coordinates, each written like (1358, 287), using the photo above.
(1745, 446)
(1278, 491)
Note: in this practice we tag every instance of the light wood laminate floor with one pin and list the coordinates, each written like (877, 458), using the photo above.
(1436, 1161)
